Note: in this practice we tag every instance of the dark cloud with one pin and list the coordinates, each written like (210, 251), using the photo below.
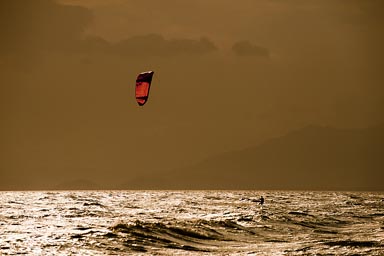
(246, 48)
(93, 44)
(370, 10)
(157, 45)
(41, 25)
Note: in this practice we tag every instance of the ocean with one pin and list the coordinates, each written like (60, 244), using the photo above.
(191, 223)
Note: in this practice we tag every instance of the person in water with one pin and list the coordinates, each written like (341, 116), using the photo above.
(261, 200)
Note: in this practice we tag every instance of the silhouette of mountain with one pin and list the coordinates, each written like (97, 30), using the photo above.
(312, 158)
(78, 184)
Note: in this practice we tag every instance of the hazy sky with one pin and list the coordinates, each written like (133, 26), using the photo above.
(228, 75)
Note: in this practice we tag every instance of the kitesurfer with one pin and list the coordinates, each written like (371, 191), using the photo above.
(261, 200)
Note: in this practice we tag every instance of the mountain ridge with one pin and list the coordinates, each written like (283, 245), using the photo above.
(312, 158)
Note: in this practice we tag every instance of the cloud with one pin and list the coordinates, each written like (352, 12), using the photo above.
(93, 44)
(245, 48)
(157, 45)
(41, 25)
(28, 28)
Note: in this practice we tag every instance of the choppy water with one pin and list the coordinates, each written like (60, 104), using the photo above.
(191, 223)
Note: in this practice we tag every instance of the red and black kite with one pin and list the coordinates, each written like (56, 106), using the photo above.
(143, 84)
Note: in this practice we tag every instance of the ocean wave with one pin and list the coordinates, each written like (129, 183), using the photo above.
(186, 236)
(191, 223)
(352, 243)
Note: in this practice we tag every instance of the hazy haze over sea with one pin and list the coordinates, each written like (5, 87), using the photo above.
(191, 223)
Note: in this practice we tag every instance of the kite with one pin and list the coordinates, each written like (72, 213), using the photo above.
(143, 84)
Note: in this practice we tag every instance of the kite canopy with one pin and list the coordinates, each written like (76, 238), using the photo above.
(143, 84)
